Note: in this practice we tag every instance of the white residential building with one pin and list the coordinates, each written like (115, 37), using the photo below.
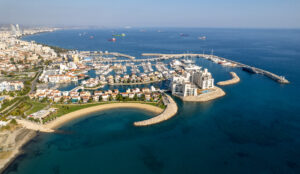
(203, 79)
(11, 86)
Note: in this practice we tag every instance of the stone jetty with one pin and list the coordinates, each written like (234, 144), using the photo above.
(235, 79)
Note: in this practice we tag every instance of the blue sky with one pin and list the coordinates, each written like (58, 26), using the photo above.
(154, 13)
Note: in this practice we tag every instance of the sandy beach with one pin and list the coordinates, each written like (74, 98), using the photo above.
(16, 139)
(83, 112)
(50, 127)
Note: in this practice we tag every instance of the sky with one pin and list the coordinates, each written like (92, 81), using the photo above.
(153, 13)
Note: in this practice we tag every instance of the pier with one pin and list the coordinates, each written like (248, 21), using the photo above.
(277, 78)
(116, 54)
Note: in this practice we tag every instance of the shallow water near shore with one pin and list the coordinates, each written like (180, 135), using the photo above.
(255, 128)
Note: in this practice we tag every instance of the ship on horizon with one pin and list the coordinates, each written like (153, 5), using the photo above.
(119, 35)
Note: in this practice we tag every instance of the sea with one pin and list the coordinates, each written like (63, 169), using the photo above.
(255, 128)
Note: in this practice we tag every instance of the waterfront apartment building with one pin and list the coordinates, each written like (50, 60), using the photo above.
(189, 83)
(184, 89)
(203, 79)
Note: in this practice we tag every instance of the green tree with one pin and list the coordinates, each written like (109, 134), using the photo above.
(12, 94)
(13, 121)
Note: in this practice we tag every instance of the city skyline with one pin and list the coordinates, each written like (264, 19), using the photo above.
(117, 13)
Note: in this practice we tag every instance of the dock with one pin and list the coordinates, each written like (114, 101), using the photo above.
(116, 54)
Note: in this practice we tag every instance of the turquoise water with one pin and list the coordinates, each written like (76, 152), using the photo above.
(255, 128)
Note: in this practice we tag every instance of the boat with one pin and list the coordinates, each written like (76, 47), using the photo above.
(202, 38)
(187, 61)
(192, 67)
(112, 39)
(119, 35)
(183, 35)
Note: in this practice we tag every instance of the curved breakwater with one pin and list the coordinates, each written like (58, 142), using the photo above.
(168, 113)
(235, 79)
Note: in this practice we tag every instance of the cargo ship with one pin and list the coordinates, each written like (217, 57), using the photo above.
(119, 35)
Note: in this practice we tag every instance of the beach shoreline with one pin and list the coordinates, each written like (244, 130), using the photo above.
(83, 112)
(50, 127)
(13, 154)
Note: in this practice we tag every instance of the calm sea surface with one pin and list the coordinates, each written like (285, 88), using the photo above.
(255, 128)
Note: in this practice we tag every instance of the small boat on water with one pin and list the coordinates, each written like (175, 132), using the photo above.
(112, 39)
(187, 61)
(202, 38)
(184, 35)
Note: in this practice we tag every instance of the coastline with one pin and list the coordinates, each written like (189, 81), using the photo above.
(13, 154)
(235, 79)
(83, 112)
(50, 127)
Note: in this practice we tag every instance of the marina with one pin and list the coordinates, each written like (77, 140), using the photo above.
(277, 78)
(196, 120)
(216, 59)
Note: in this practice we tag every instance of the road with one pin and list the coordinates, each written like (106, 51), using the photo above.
(33, 83)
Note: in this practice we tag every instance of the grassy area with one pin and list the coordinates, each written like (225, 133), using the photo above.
(7, 103)
(20, 109)
(159, 104)
(65, 109)
(25, 105)
(35, 106)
